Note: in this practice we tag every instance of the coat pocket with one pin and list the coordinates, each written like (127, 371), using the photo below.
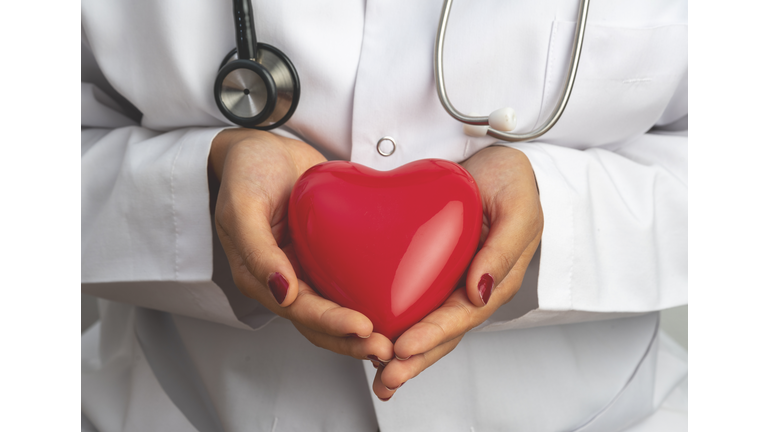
(625, 80)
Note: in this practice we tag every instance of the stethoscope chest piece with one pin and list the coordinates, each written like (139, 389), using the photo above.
(260, 93)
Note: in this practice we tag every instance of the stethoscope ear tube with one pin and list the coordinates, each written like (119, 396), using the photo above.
(565, 94)
(245, 33)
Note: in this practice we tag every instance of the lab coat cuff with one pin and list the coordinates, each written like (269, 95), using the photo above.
(594, 265)
(557, 240)
(191, 198)
(545, 295)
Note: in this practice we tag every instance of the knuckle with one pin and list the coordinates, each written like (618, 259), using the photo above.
(535, 220)
(301, 296)
(326, 317)
(419, 366)
(437, 327)
(297, 310)
(507, 260)
(223, 215)
(464, 320)
(252, 261)
(464, 313)
(504, 258)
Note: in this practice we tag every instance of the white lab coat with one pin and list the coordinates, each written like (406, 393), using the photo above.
(578, 348)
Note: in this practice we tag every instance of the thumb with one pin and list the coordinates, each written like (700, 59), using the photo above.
(260, 268)
(512, 240)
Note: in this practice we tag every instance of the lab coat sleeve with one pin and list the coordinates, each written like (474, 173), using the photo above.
(145, 205)
(146, 225)
(146, 234)
(615, 233)
(615, 239)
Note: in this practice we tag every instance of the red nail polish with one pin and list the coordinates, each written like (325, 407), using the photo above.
(278, 285)
(485, 287)
(384, 400)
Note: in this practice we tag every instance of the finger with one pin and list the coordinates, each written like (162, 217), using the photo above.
(379, 389)
(246, 235)
(454, 318)
(376, 348)
(514, 226)
(458, 315)
(324, 316)
(392, 377)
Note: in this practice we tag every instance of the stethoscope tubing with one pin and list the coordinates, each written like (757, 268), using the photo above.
(565, 94)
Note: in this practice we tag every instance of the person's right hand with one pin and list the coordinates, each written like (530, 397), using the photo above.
(257, 171)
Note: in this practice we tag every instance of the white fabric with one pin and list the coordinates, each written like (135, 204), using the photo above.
(608, 375)
(119, 382)
(614, 196)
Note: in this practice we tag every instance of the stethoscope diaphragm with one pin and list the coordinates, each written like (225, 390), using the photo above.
(260, 93)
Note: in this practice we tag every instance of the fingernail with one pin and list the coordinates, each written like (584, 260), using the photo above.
(376, 359)
(361, 337)
(485, 287)
(394, 388)
(402, 359)
(375, 365)
(278, 285)
(384, 400)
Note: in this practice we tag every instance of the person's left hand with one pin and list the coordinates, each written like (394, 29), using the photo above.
(512, 227)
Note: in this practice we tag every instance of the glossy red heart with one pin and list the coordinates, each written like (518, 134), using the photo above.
(389, 244)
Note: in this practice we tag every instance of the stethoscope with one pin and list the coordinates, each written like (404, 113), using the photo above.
(257, 85)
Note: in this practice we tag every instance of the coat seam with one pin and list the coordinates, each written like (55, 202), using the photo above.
(174, 216)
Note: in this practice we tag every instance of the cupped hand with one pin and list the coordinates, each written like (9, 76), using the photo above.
(257, 171)
(512, 227)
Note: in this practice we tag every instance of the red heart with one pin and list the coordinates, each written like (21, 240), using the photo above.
(389, 244)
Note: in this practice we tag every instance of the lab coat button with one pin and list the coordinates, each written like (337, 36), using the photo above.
(386, 146)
